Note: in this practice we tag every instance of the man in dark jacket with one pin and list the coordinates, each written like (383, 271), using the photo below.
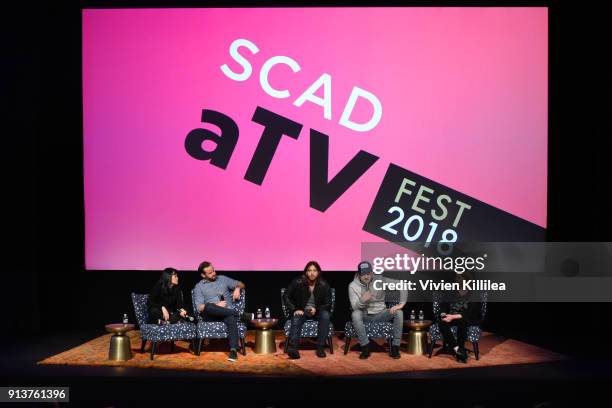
(308, 297)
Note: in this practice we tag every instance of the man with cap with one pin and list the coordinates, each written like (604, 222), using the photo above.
(368, 304)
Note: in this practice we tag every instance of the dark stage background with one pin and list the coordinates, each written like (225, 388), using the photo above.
(45, 287)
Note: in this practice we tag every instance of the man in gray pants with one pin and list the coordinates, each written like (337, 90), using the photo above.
(368, 304)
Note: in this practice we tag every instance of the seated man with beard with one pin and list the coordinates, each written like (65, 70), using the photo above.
(368, 304)
(214, 297)
(308, 297)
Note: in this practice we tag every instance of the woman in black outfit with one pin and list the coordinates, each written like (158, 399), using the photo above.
(166, 299)
(460, 312)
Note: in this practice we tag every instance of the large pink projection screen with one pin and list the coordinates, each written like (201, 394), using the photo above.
(262, 138)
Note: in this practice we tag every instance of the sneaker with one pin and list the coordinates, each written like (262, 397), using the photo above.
(395, 352)
(365, 352)
(461, 355)
(247, 317)
(233, 355)
(320, 352)
(293, 353)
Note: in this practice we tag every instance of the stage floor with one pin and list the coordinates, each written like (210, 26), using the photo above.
(567, 382)
(494, 350)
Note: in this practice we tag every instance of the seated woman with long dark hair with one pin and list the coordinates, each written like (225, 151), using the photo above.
(460, 311)
(166, 299)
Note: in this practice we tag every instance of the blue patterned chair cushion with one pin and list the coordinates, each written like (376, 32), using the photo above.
(140, 308)
(168, 332)
(374, 330)
(473, 332)
(154, 332)
(310, 328)
(218, 330)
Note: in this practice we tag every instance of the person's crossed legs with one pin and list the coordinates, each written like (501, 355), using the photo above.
(229, 316)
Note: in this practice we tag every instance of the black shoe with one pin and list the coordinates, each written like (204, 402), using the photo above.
(461, 355)
(233, 355)
(395, 352)
(247, 317)
(447, 349)
(365, 352)
(293, 353)
(320, 352)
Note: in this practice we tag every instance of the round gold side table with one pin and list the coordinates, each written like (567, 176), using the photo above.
(264, 337)
(417, 336)
(120, 349)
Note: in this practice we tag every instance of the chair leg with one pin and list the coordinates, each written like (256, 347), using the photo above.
(286, 344)
(172, 347)
(153, 349)
(242, 347)
(199, 348)
(142, 346)
(476, 350)
(347, 344)
(389, 344)
(331, 344)
(432, 345)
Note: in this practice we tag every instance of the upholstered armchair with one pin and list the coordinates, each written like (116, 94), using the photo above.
(157, 333)
(374, 330)
(218, 330)
(310, 328)
(473, 331)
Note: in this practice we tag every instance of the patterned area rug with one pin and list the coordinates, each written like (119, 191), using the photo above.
(494, 350)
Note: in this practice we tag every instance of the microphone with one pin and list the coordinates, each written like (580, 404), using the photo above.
(187, 317)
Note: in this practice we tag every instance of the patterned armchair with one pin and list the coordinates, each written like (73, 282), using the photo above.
(310, 328)
(473, 332)
(374, 330)
(157, 333)
(218, 330)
